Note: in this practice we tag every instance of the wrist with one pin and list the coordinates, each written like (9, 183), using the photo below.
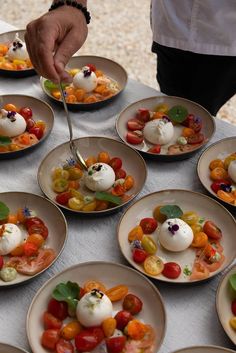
(79, 5)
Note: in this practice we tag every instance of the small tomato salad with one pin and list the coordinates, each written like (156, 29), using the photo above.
(223, 176)
(104, 186)
(23, 244)
(90, 85)
(156, 242)
(85, 318)
(18, 129)
(165, 130)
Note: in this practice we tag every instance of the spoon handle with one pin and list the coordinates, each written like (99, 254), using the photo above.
(67, 112)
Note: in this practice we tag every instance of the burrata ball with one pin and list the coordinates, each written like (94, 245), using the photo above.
(159, 131)
(10, 239)
(100, 177)
(232, 171)
(11, 123)
(93, 308)
(17, 50)
(85, 79)
(175, 235)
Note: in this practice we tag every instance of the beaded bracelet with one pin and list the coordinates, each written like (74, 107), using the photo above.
(75, 5)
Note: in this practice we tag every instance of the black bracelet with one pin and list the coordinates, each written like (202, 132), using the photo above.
(75, 5)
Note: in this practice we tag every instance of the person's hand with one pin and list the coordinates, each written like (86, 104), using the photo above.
(52, 39)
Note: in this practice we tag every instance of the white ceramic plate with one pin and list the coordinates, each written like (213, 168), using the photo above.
(203, 205)
(133, 163)
(9, 37)
(50, 215)
(110, 274)
(223, 304)
(110, 68)
(204, 349)
(41, 111)
(219, 150)
(151, 103)
(7, 348)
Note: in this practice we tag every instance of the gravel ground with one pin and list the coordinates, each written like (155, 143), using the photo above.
(124, 37)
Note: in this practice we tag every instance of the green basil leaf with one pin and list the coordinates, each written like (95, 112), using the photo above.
(63, 291)
(171, 211)
(50, 85)
(232, 284)
(4, 211)
(5, 140)
(105, 196)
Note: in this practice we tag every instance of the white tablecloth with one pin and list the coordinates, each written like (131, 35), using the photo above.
(191, 314)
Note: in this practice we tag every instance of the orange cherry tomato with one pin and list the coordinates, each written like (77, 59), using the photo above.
(91, 99)
(218, 173)
(80, 94)
(128, 183)
(18, 251)
(103, 157)
(3, 49)
(93, 284)
(225, 196)
(118, 190)
(216, 163)
(36, 239)
(56, 93)
(117, 293)
(187, 132)
(20, 215)
(200, 240)
(90, 161)
(71, 330)
(11, 107)
(136, 329)
(135, 234)
(30, 249)
(158, 215)
(101, 205)
(12, 218)
(99, 73)
(71, 98)
(158, 115)
(73, 184)
(70, 90)
(109, 326)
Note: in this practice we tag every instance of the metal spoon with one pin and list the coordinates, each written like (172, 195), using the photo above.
(74, 150)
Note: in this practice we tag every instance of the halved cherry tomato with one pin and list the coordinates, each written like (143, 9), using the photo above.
(37, 131)
(51, 322)
(64, 346)
(225, 196)
(135, 124)
(148, 225)
(155, 149)
(70, 330)
(92, 67)
(98, 332)
(136, 329)
(122, 318)
(193, 122)
(199, 271)
(30, 249)
(139, 255)
(120, 173)
(211, 230)
(36, 239)
(200, 240)
(58, 309)
(129, 182)
(63, 198)
(115, 163)
(153, 265)
(221, 184)
(94, 284)
(134, 137)
(132, 304)
(26, 112)
(50, 338)
(86, 341)
(194, 139)
(115, 344)
(143, 114)
(39, 229)
(118, 190)
(117, 293)
(136, 233)
(10, 107)
(32, 221)
(171, 270)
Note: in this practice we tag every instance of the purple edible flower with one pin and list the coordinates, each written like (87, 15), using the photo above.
(11, 116)
(197, 119)
(26, 212)
(136, 244)
(173, 228)
(225, 187)
(166, 119)
(70, 162)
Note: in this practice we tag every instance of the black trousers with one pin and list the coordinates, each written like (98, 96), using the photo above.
(209, 80)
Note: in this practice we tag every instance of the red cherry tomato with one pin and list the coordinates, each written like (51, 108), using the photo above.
(233, 307)
(134, 138)
(171, 270)
(115, 344)
(98, 332)
(39, 229)
(115, 163)
(92, 67)
(143, 114)
(122, 318)
(132, 304)
(30, 249)
(63, 198)
(193, 122)
(58, 309)
(212, 231)
(26, 112)
(196, 138)
(120, 173)
(50, 338)
(155, 149)
(86, 341)
(33, 220)
(29, 124)
(50, 321)
(64, 346)
(1, 262)
(135, 124)
(148, 225)
(37, 131)
(217, 185)
(139, 255)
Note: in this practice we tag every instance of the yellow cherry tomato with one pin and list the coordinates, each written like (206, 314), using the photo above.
(75, 204)
(117, 293)
(196, 228)
(162, 108)
(153, 265)
(73, 72)
(60, 173)
(109, 326)
(75, 173)
(232, 322)
(77, 194)
(149, 244)
(89, 207)
(228, 160)
(94, 284)
(70, 330)
(190, 217)
(60, 185)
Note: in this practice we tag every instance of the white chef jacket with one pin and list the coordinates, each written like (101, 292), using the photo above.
(200, 26)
